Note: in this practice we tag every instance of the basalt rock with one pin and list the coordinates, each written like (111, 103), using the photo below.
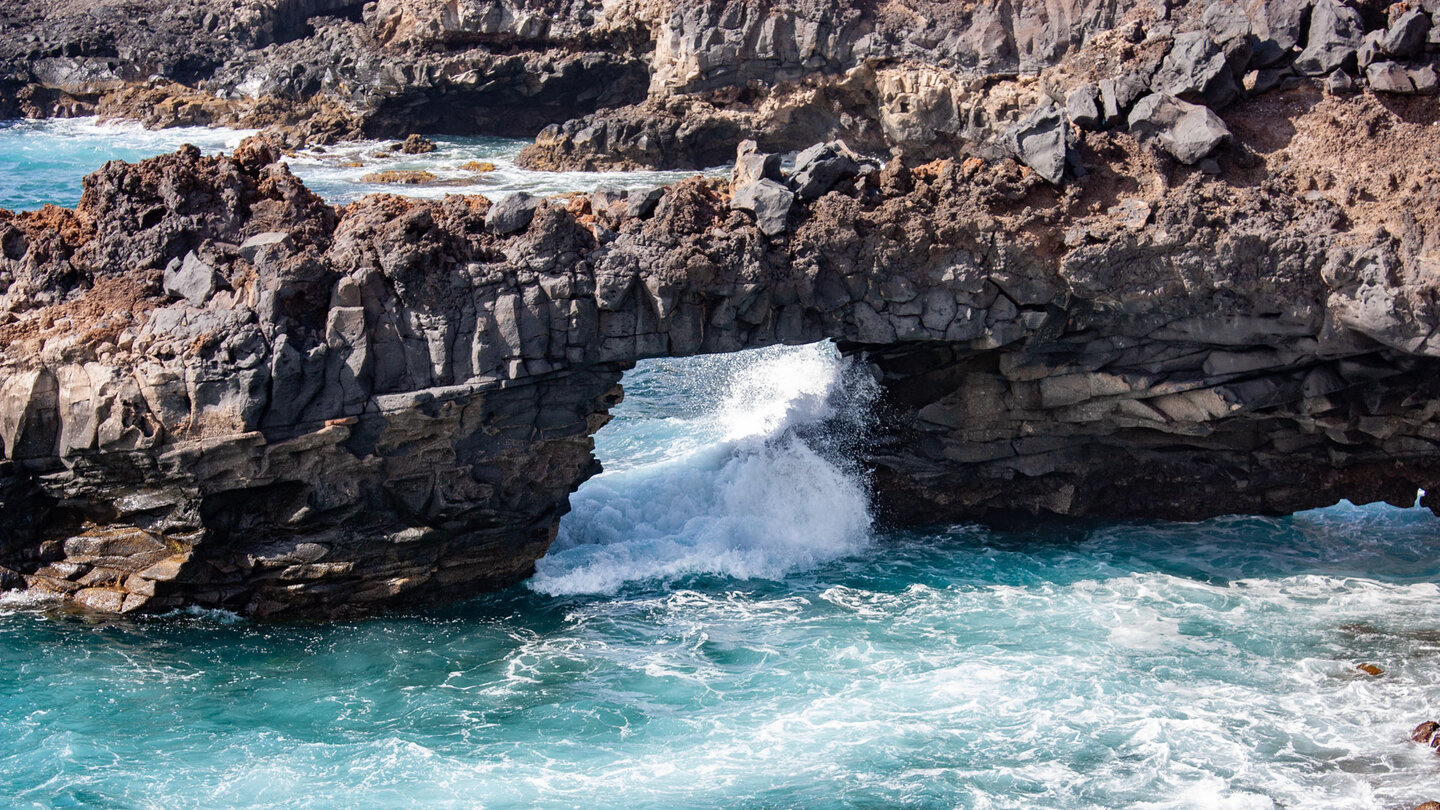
(1335, 35)
(1188, 132)
(941, 89)
(1390, 77)
(320, 70)
(769, 201)
(678, 83)
(390, 403)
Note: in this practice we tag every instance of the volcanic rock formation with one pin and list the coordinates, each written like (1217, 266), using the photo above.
(218, 390)
(1157, 271)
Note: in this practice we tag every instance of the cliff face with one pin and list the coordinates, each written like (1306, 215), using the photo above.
(1158, 272)
(676, 83)
(939, 78)
(218, 390)
(319, 70)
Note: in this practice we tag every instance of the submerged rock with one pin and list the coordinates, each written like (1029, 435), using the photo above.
(404, 177)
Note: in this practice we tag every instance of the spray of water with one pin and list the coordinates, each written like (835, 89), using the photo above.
(761, 486)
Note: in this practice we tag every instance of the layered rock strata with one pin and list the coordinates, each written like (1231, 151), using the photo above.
(939, 78)
(677, 83)
(218, 390)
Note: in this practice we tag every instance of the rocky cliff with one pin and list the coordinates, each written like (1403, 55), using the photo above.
(677, 83)
(320, 70)
(1170, 261)
(215, 389)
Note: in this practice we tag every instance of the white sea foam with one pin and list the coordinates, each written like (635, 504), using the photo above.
(759, 501)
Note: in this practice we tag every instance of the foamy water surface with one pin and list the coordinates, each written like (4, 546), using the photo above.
(45, 162)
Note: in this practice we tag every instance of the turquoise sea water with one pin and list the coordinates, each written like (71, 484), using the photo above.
(722, 624)
(44, 162)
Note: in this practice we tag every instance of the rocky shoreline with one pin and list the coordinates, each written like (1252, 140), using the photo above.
(1169, 263)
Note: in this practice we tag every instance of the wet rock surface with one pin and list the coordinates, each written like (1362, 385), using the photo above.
(389, 403)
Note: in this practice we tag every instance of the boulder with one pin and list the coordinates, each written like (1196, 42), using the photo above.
(512, 213)
(1392, 77)
(1336, 32)
(820, 167)
(769, 201)
(1370, 49)
(1118, 94)
(1407, 36)
(415, 145)
(1340, 83)
(605, 196)
(751, 165)
(1038, 141)
(263, 243)
(192, 279)
(1187, 131)
(1083, 106)
(641, 202)
(1267, 53)
(1196, 70)
(1279, 21)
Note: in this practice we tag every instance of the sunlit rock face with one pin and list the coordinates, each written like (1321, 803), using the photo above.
(218, 390)
(1168, 262)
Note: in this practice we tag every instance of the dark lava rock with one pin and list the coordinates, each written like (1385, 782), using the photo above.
(192, 279)
(820, 167)
(1038, 141)
(1117, 95)
(1340, 83)
(1336, 31)
(769, 201)
(512, 213)
(751, 165)
(1407, 36)
(1392, 77)
(1189, 132)
(1197, 70)
(604, 197)
(1083, 106)
(641, 202)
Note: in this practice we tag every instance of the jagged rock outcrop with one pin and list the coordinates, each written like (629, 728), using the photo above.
(218, 390)
(942, 78)
(321, 70)
(678, 83)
